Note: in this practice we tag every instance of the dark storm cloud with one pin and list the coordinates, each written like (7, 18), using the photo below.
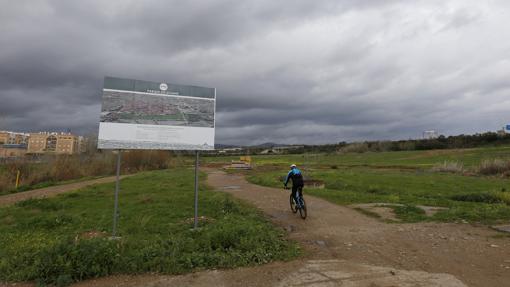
(285, 71)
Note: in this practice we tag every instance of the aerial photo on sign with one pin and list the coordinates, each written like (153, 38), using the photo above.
(150, 115)
(157, 109)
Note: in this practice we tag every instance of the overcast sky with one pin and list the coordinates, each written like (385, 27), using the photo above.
(285, 71)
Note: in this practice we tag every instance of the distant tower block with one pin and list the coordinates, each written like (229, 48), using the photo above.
(504, 131)
(432, 134)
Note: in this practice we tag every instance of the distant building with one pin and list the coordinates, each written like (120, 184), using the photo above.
(12, 150)
(431, 134)
(505, 130)
(230, 150)
(4, 137)
(13, 144)
(58, 143)
(13, 138)
(82, 144)
(37, 143)
(281, 149)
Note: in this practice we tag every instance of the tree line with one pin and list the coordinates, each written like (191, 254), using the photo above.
(441, 142)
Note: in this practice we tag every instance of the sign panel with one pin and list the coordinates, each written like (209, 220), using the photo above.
(508, 128)
(151, 115)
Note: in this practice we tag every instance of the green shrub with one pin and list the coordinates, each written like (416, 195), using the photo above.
(230, 207)
(76, 260)
(376, 190)
(502, 196)
(410, 213)
(477, 197)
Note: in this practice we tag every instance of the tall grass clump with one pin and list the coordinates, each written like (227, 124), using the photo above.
(66, 168)
(495, 167)
(5, 181)
(354, 148)
(449, 166)
(138, 160)
(50, 170)
(503, 196)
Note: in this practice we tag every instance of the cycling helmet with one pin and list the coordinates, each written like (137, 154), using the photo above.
(293, 166)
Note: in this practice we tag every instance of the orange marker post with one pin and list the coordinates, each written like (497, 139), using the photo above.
(17, 179)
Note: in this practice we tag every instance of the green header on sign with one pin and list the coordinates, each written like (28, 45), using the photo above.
(158, 88)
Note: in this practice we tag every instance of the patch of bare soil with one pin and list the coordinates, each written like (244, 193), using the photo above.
(386, 212)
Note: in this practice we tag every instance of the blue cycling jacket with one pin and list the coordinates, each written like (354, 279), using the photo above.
(296, 176)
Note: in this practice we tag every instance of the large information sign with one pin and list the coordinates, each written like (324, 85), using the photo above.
(151, 115)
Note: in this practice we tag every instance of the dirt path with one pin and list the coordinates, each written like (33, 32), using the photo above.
(476, 255)
(347, 248)
(52, 190)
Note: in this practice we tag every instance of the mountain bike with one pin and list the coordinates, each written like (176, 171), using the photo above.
(293, 206)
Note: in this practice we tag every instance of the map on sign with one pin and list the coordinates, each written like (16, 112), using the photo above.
(151, 115)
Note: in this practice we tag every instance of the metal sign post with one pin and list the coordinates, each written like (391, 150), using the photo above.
(196, 190)
(115, 208)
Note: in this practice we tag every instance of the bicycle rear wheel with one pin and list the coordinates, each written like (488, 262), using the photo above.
(292, 204)
(302, 210)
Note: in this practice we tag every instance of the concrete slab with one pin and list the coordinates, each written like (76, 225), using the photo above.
(231, 187)
(502, 228)
(431, 210)
(343, 273)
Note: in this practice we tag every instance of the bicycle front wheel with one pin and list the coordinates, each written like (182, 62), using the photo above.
(292, 204)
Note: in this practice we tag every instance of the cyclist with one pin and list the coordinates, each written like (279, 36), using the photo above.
(297, 183)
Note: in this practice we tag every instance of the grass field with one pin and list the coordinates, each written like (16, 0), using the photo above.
(65, 239)
(405, 159)
(400, 177)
